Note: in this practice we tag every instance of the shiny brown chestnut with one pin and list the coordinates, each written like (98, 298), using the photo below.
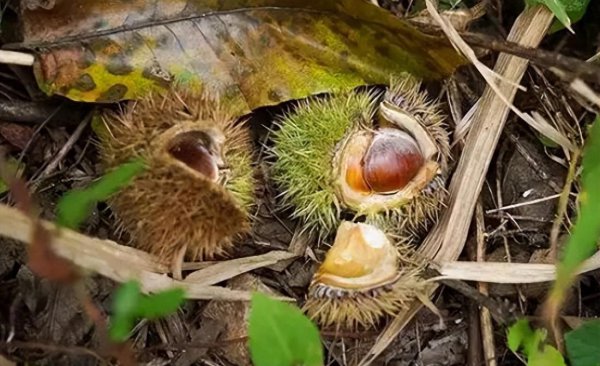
(193, 148)
(391, 161)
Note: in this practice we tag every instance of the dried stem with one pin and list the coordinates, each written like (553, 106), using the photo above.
(502, 272)
(563, 203)
(485, 318)
(16, 58)
(107, 258)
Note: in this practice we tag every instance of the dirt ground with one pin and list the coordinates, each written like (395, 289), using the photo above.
(42, 323)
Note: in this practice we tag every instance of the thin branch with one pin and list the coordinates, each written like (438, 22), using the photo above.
(16, 58)
(485, 318)
(522, 204)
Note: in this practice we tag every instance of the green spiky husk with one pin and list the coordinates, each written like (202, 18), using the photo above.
(305, 144)
(353, 310)
(167, 207)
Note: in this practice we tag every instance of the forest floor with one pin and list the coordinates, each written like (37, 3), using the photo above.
(42, 323)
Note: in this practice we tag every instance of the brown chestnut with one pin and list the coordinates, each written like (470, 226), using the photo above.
(392, 161)
(193, 149)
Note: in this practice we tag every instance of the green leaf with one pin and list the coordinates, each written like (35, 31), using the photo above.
(567, 12)
(583, 344)
(547, 356)
(521, 336)
(120, 327)
(281, 335)
(517, 333)
(75, 206)
(558, 9)
(583, 241)
(548, 142)
(160, 304)
(130, 304)
(575, 10)
(126, 300)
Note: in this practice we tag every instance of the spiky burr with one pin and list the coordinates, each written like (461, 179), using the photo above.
(194, 198)
(364, 156)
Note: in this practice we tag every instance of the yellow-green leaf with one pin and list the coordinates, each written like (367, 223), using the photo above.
(250, 53)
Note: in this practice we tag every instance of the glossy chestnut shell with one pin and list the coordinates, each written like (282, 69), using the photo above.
(199, 150)
(390, 162)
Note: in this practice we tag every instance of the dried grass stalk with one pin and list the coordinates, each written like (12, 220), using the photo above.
(225, 270)
(16, 58)
(112, 260)
(501, 272)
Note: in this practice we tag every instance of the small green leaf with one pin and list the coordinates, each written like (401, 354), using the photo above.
(160, 304)
(120, 327)
(583, 344)
(75, 206)
(281, 335)
(522, 337)
(130, 304)
(125, 303)
(547, 356)
(558, 9)
(127, 298)
(517, 333)
(547, 141)
(575, 10)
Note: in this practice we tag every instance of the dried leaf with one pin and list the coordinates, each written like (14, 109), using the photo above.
(16, 134)
(44, 262)
(225, 270)
(251, 53)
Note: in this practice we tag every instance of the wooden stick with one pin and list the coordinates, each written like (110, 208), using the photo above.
(447, 239)
(16, 58)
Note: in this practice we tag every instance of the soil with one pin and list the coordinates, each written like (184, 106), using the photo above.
(42, 323)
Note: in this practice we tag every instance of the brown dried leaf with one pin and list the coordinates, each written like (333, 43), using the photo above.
(16, 134)
(44, 262)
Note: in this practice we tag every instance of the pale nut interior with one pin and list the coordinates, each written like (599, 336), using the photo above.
(397, 117)
(361, 258)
